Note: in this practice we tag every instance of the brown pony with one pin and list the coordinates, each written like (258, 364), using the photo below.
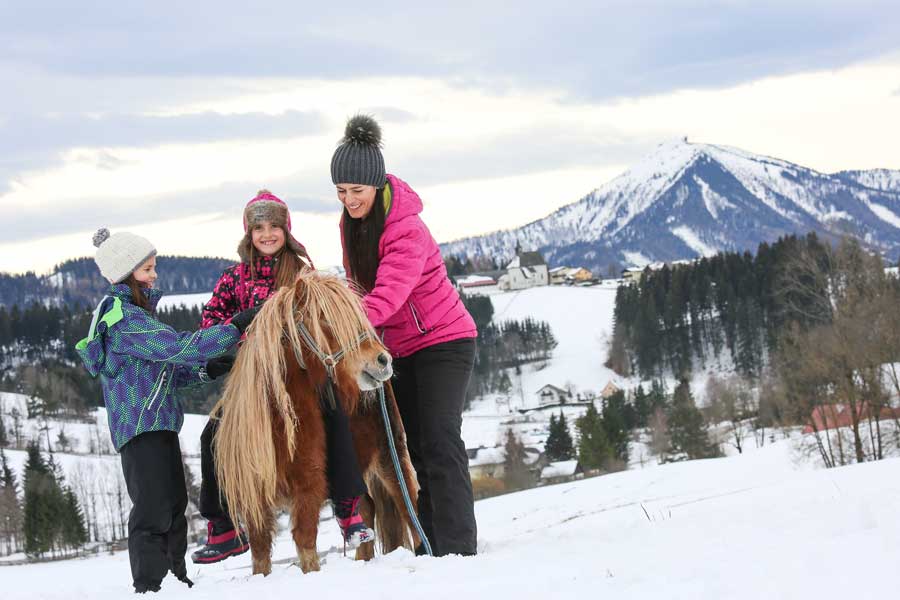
(270, 446)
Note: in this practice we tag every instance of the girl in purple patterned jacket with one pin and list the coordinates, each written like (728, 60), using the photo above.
(271, 258)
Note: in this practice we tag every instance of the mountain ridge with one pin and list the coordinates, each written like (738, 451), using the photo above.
(687, 199)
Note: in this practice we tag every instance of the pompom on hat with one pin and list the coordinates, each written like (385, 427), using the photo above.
(358, 158)
(266, 206)
(118, 255)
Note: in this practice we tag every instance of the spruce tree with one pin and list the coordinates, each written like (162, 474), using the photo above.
(43, 504)
(74, 530)
(4, 440)
(614, 419)
(686, 425)
(559, 444)
(515, 472)
(593, 447)
(10, 508)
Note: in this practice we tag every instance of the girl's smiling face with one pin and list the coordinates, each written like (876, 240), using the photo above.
(268, 239)
(145, 274)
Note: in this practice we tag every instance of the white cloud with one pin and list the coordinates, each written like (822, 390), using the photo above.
(481, 159)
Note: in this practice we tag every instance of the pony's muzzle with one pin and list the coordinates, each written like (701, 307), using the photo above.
(380, 369)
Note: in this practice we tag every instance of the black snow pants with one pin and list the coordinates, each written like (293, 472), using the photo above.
(430, 387)
(157, 527)
(344, 477)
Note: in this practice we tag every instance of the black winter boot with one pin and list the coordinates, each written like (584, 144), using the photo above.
(222, 541)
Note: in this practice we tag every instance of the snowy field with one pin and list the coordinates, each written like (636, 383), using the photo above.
(750, 526)
(761, 524)
(189, 300)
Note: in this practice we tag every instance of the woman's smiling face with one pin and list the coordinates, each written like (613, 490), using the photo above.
(356, 198)
(268, 239)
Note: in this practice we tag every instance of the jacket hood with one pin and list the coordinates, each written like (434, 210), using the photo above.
(92, 349)
(110, 310)
(404, 202)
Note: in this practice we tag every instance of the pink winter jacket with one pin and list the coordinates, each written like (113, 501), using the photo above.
(413, 302)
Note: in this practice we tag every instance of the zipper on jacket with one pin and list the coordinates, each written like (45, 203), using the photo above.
(415, 317)
(157, 388)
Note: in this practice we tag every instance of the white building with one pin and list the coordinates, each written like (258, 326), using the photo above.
(550, 395)
(527, 269)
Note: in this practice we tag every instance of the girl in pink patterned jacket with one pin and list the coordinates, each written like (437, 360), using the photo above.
(271, 258)
(390, 254)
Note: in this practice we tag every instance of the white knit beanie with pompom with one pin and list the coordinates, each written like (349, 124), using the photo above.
(118, 255)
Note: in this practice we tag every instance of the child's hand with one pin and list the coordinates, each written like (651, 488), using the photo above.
(217, 367)
(243, 319)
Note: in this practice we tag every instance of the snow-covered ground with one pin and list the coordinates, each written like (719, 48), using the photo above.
(189, 300)
(760, 524)
(750, 526)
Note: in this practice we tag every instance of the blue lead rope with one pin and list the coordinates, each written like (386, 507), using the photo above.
(400, 478)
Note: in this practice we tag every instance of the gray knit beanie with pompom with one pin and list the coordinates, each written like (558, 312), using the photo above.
(358, 158)
(118, 255)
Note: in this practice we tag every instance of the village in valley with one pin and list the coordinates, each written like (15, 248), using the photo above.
(527, 414)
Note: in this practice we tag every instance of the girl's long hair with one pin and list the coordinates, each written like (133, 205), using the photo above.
(361, 238)
(138, 298)
(287, 266)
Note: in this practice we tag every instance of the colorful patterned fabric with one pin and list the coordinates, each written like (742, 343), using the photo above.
(141, 362)
(237, 290)
(413, 302)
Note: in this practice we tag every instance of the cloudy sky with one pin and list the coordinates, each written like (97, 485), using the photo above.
(165, 118)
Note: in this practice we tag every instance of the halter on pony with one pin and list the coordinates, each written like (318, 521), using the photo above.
(330, 361)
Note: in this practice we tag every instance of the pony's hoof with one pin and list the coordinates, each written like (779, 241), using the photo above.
(309, 561)
(366, 551)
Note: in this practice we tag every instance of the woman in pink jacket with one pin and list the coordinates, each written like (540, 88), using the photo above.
(390, 254)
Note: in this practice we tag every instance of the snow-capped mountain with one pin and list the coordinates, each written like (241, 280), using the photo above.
(687, 199)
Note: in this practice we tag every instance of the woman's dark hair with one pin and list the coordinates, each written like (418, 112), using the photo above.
(138, 297)
(361, 237)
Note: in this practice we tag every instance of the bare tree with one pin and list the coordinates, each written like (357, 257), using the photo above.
(832, 358)
(660, 441)
(730, 401)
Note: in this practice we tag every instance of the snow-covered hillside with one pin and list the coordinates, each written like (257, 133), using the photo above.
(686, 200)
(751, 526)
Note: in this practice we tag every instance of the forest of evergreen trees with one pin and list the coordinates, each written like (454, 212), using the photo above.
(46, 518)
(678, 318)
(78, 282)
(810, 328)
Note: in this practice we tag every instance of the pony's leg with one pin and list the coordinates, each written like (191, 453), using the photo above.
(393, 491)
(366, 551)
(305, 521)
(261, 544)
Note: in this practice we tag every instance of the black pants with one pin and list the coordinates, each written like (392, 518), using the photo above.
(157, 527)
(344, 477)
(430, 387)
